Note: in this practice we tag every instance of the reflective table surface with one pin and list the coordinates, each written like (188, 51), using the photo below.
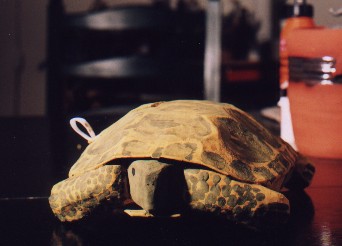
(28, 171)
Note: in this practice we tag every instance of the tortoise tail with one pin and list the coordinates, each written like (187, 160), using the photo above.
(302, 174)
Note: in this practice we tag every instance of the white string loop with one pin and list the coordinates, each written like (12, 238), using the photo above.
(91, 134)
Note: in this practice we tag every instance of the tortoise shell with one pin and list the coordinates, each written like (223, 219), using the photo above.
(217, 136)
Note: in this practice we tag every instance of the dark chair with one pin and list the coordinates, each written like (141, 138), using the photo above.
(102, 63)
(127, 55)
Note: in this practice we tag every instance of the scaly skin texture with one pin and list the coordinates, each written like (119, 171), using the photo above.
(74, 198)
(207, 191)
(238, 201)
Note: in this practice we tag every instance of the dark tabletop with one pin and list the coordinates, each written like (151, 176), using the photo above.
(28, 169)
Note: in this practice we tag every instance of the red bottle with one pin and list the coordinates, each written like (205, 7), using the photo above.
(299, 15)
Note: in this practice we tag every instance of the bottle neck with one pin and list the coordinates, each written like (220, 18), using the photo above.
(300, 22)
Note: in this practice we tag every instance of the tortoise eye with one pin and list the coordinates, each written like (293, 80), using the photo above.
(133, 171)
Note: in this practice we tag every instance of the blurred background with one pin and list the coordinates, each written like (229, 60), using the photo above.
(35, 42)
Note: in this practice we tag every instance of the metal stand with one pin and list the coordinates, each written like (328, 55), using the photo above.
(212, 55)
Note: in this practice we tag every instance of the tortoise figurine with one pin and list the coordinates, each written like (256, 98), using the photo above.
(183, 156)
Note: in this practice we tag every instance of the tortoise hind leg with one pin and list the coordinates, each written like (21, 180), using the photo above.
(74, 198)
(302, 174)
(241, 202)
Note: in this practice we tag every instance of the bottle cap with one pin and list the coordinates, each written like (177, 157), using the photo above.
(299, 10)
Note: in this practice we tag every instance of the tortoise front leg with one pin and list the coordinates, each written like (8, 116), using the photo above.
(73, 198)
(245, 203)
